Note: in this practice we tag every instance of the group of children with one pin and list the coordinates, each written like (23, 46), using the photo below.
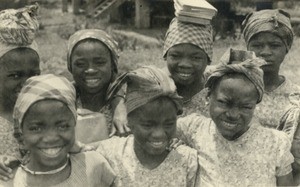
(41, 114)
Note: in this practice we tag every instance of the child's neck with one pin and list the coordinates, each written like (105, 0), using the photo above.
(272, 81)
(147, 160)
(188, 91)
(49, 179)
(93, 102)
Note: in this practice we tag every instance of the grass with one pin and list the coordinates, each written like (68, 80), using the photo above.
(57, 27)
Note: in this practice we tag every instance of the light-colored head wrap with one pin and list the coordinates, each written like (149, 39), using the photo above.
(39, 88)
(18, 28)
(196, 34)
(146, 84)
(96, 34)
(274, 21)
(243, 62)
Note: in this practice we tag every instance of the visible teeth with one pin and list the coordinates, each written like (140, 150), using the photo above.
(157, 143)
(184, 74)
(52, 151)
(92, 80)
(230, 125)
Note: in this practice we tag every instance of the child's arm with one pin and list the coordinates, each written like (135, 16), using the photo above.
(7, 164)
(119, 115)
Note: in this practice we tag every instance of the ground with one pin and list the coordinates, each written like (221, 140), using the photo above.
(139, 47)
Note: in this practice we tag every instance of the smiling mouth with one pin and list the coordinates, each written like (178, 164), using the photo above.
(185, 75)
(158, 144)
(51, 152)
(92, 82)
(229, 125)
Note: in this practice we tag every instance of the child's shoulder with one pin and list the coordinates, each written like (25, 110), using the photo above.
(89, 157)
(186, 157)
(113, 142)
(186, 151)
(272, 137)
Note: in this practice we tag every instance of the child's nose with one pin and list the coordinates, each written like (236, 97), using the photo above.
(51, 136)
(158, 133)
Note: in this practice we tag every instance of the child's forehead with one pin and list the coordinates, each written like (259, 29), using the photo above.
(20, 53)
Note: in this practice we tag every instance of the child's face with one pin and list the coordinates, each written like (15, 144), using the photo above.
(154, 125)
(186, 63)
(16, 67)
(48, 132)
(232, 104)
(270, 47)
(91, 66)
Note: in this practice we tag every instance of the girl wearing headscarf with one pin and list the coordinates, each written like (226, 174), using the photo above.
(19, 60)
(45, 117)
(188, 50)
(93, 61)
(269, 34)
(142, 159)
(233, 149)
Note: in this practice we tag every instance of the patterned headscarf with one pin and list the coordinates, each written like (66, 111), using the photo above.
(238, 64)
(18, 28)
(39, 88)
(274, 21)
(96, 34)
(181, 32)
(146, 84)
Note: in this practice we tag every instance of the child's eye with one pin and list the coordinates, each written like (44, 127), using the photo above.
(169, 125)
(197, 58)
(275, 45)
(63, 127)
(35, 129)
(80, 64)
(100, 62)
(14, 76)
(174, 55)
(147, 125)
(256, 45)
(247, 107)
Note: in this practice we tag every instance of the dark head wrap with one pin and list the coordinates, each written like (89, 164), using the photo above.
(274, 21)
(18, 28)
(196, 34)
(146, 84)
(243, 62)
(96, 34)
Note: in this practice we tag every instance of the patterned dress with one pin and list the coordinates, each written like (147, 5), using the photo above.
(254, 159)
(178, 169)
(88, 169)
(9, 145)
(275, 103)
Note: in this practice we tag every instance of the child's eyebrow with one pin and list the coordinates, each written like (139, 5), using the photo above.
(37, 123)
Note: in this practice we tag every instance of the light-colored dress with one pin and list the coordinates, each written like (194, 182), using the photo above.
(254, 159)
(9, 145)
(178, 169)
(88, 169)
(275, 103)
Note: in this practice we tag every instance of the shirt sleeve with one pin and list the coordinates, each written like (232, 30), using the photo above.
(284, 155)
(101, 173)
(187, 128)
(193, 168)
